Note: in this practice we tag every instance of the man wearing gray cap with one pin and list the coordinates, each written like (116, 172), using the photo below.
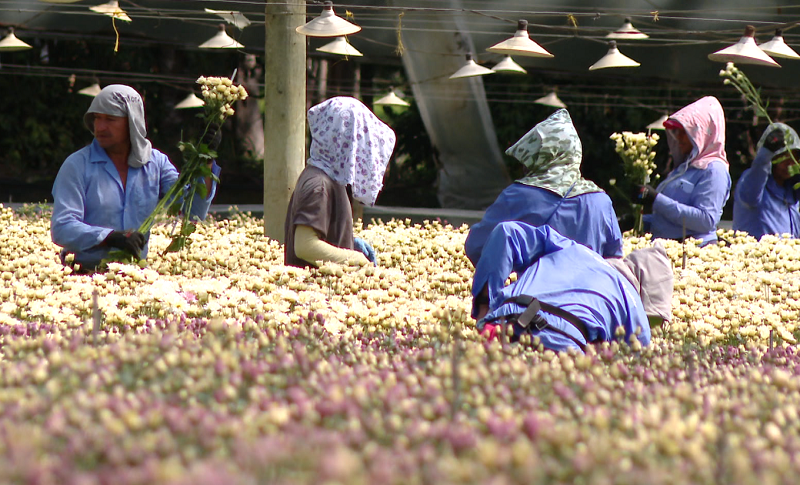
(104, 191)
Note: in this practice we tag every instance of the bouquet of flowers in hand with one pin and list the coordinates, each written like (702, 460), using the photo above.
(734, 76)
(219, 94)
(636, 151)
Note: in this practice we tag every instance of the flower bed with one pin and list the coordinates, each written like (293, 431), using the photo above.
(223, 366)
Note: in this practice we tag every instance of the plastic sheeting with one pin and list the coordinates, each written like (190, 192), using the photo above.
(456, 114)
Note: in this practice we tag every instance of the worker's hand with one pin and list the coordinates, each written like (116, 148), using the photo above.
(644, 194)
(364, 247)
(212, 137)
(490, 331)
(133, 241)
(775, 140)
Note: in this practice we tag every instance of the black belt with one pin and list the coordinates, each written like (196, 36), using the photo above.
(530, 319)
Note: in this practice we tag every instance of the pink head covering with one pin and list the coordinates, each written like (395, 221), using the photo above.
(351, 145)
(704, 122)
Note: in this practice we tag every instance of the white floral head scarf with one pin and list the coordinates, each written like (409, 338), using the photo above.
(351, 145)
(124, 101)
(552, 153)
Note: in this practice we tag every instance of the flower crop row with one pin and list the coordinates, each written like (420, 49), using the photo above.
(224, 366)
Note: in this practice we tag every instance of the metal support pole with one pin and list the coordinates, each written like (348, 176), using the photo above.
(285, 118)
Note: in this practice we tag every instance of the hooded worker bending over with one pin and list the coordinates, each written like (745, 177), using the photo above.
(104, 192)
(553, 192)
(566, 294)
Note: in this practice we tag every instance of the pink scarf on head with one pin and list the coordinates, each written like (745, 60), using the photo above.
(704, 122)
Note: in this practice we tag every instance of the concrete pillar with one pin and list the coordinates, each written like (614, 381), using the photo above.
(285, 118)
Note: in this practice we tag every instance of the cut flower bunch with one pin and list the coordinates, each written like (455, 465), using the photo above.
(636, 151)
(219, 94)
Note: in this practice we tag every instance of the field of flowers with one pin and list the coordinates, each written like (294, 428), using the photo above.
(220, 365)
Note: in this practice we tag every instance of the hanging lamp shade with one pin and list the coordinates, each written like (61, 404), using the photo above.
(328, 24)
(744, 52)
(551, 100)
(658, 124)
(11, 43)
(92, 90)
(777, 47)
(508, 65)
(112, 9)
(471, 69)
(340, 46)
(520, 44)
(627, 31)
(614, 58)
(190, 101)
(232, 17)
(221, 41)
(392, 99)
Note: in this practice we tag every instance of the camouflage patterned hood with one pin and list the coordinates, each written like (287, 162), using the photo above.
(552, 153)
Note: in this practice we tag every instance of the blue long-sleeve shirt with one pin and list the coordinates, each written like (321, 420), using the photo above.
(563, 273)
(90, 200)
(588, 219)
(760, 205)
(693, 197)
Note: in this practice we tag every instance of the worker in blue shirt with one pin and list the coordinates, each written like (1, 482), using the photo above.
(553, 192)
(104, 191)
(565, 293)
(689, 201)
(765, 201)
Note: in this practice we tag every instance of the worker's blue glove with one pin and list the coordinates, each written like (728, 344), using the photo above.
(364, 247)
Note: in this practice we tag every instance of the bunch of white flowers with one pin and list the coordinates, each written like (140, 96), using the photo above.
(636, 150)
(219, 94)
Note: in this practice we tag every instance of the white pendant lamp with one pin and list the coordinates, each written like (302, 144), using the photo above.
(221, 41)
(658, 124)
(551, 100)
(392, 99)
(471, 69)
(328, 24)
(777, 47)
(614, 58)
(627, 31)
(508, 65)
(744, 52)
(340, 46)
(232, 17)
(92, 90)
(112, 9)
(11, 43)
(520, 44)
(190, 101)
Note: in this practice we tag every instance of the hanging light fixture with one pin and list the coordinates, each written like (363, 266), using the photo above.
(520, 44)
(112, 9)
(328, 24)
(658, 124)
(614, 58)
(777, 47)
(232, 17)
(471, 69)
(744, 52)
(190, 101)
(92, 90)
(551, 100)
(392, 99)
(221, 41)
(340, 46)
(508, 65)
(11, 43)
(627, 31)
